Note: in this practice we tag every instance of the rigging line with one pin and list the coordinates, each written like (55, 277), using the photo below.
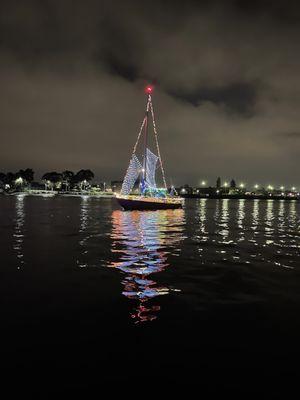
(156, 141)
(139, 135)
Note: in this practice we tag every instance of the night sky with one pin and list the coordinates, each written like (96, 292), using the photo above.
(226, 75)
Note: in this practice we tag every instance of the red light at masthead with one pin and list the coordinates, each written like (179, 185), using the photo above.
(149, 89)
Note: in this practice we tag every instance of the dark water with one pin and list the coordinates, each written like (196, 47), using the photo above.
(207, 296)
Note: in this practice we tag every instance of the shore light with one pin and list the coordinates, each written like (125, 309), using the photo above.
(270, 187)
(203, 183)
(19, 180)
(281, 187)
(293, 188)
(225, 184)
(242, 185)
(256, 186)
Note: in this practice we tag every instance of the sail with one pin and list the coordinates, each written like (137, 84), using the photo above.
(150, 169)
(131, 176)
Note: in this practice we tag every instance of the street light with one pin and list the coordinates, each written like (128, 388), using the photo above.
(203, 183)
(281, 187)
(242, 185)
(293, 188)
(256, 186)
(270, 187)
(225, 184)
(19, 181)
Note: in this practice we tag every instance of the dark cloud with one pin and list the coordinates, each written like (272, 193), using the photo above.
(289, 135)
(227, 85)
(238, 97)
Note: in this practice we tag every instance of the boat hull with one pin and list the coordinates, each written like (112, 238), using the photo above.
(134, 204)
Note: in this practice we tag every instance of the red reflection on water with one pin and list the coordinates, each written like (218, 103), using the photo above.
(145, 314)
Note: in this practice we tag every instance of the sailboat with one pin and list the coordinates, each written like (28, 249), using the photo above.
(139, 189)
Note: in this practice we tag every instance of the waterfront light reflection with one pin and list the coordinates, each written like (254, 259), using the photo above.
(19, 230)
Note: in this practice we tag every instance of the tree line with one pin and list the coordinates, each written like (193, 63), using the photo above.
(20, 178)
(52, 180)
(68, 179)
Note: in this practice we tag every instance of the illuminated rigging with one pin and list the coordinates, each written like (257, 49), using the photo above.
(146, 170)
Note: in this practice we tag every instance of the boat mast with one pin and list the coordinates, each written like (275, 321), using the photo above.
(156, 141)
(144, 176)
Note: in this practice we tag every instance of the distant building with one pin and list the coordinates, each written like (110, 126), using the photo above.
(204, 192)
(185, 190)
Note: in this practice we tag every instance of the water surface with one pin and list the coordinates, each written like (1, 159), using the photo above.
(210, 292)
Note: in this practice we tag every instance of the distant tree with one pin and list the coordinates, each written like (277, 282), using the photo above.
(19, 181)
(54, 178)
(83, 176)
(2, 177)
(218, 183)
(19, 174)
(28, 175)
(67, 178)
(232, 184)
(46, 178)
(10, 177)
(24, 177)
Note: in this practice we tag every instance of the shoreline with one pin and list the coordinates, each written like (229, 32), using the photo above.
(53, 193)
(47, 193)
(240, 197)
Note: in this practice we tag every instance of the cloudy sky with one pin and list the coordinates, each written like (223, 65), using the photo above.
(226, 75)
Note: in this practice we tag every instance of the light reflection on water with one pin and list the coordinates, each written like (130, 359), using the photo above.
(238, 302)
(84, 210)
(85, 206)
(19, 230)
(141, 244)
(255, 215)
(246, 232)
(207, 238)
